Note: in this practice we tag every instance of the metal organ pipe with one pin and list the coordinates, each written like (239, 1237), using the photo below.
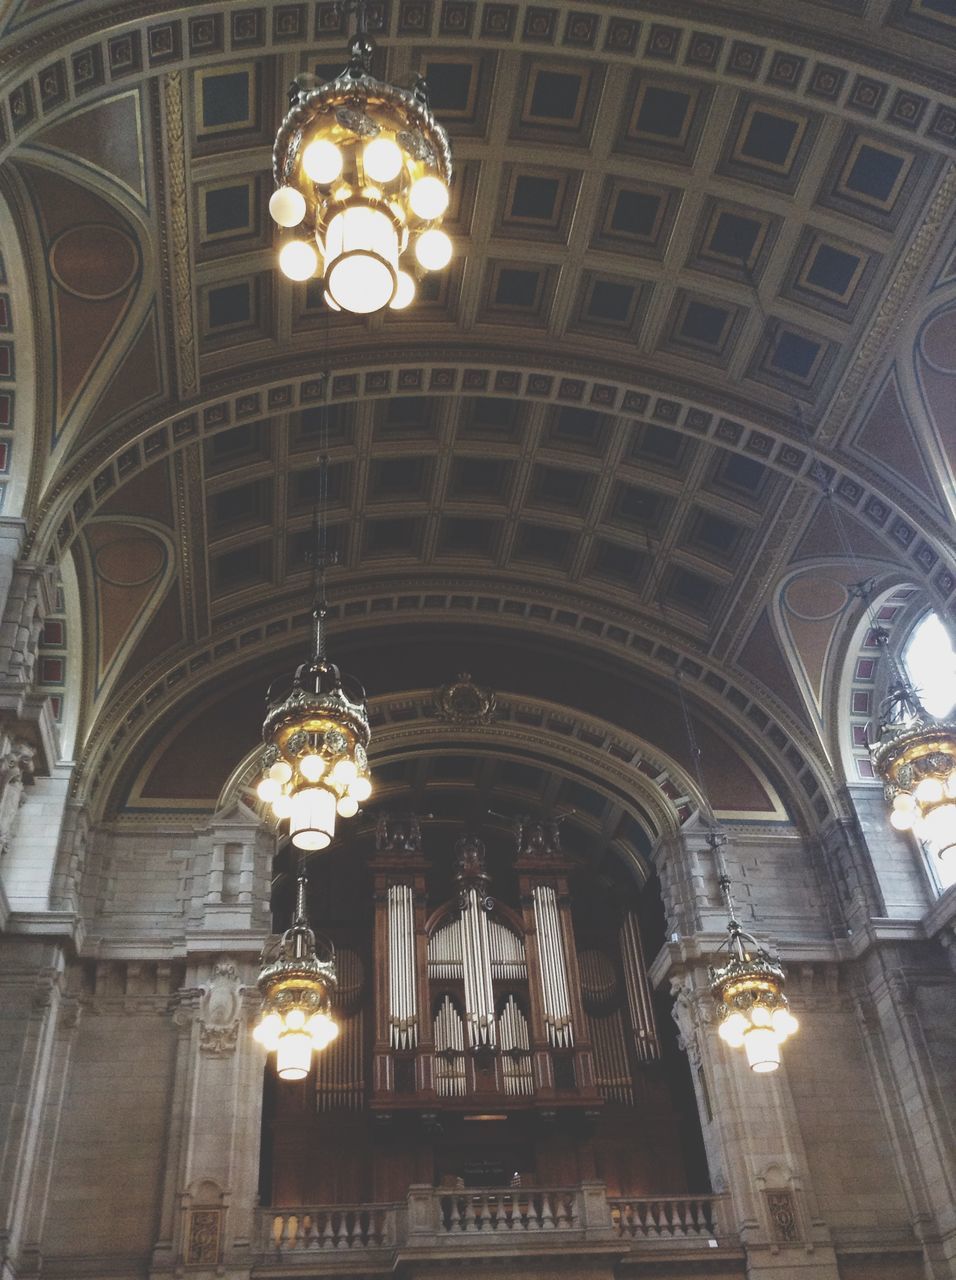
(449, 1051)
(479, 996)
(402, 982)
(515, 1049)
(554, 974)
(638, 989)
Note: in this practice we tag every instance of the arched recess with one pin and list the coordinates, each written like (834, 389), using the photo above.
(17, 368)
(864, 674)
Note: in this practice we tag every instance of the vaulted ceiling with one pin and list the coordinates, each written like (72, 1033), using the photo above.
(690, 375)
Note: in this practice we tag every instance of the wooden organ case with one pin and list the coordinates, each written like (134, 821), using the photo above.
(491, 1041)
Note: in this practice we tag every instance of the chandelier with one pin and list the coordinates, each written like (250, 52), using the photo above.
(297, 989)
(316, 732)
(361, 170)
(915, 755)
(752, 1010)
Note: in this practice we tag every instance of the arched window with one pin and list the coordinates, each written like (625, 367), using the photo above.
(930, 662)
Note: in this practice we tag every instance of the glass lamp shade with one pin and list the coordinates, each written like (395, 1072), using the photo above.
(938, 828)
(294, 1054)
(298, 260)
(383, 160)
(433, 249)
(428, 198)
(763, 1049)
(312, 818)
(287, 206)
(322, 1029)
(361, 257)
(268, 1030)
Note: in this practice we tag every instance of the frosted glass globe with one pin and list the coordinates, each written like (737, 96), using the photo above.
(312, 768)
(382, 159)
(287, 206)
(281, 807)
(929, 791)
(347, 807)
(322, 161)
(344, 772)
(902, 819)
(361, 789)
(281, 771)
(433, 250)
(322, 1029)
(428, 198)
(267, 790)
(404, 292)
(298, 260)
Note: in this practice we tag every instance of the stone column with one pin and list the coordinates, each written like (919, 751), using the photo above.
(754, 1146)
(31, 993)
(212, 1160)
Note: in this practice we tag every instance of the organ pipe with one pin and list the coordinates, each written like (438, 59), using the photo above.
(339, 1074)
(515, 1049)
(507, 952)
(612, 1076)
(556, 996)
(449, 1035)
(402, 982)
(638, 990)
(479, 996)
(444, 951)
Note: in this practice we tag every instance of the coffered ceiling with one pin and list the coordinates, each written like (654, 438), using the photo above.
(698, 331)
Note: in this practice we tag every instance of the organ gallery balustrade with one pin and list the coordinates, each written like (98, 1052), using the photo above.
(440, 1218)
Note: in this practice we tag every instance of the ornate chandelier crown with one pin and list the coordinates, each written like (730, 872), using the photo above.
(362, 169)
(316, 732)
(752, 1010)
(915, 755)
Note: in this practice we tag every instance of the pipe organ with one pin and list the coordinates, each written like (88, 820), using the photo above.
(481, 1003)
(496, 1022)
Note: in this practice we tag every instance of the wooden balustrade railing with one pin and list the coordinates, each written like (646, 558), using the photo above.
(646, 1218)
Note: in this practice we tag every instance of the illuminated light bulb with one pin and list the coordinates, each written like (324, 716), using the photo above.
(267, 1031)
(322, 1029)
(732, 1029)
(428, 198)
(347, 807)
(902, 819)
(330, 302)
(951, 785)
(433, 250)
(312, 768)
(281, 771)
(322, 161)
(294, 1055)
(312, 819)
(298, 260)
(929, 791)
(404, 292)
(784, 1023)
(295, 1019)
(268, 789)
(903, 800)
(760, 1015)
(345, 772)
(762, 1049)
(281, 807)
(382, 159)
(361, 789)
(287, 206)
